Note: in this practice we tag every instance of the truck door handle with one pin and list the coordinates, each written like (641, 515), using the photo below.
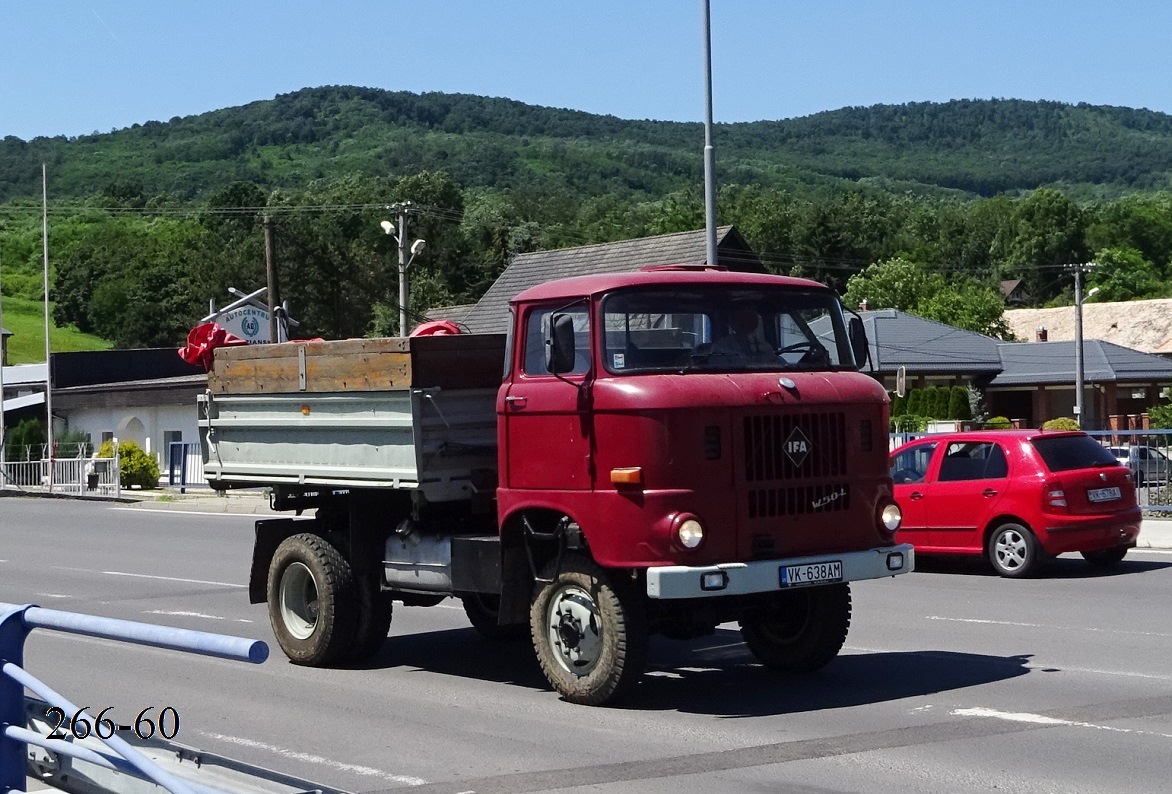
(516, 402)
(988, 492)
(915, 495)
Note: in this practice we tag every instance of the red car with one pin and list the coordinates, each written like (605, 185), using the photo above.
(1015, 496)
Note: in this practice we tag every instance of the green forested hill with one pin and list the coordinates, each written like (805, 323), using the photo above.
(922, 207)
(974, 147)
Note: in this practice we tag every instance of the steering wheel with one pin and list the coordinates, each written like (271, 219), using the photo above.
(805, 346)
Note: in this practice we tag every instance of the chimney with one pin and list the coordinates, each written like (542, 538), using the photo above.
(1042, 334)
(863, 305)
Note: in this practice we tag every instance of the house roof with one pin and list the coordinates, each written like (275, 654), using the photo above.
(1140, 325)
(456, 314)
(923, 346)
(490, 314)
(1040, 363)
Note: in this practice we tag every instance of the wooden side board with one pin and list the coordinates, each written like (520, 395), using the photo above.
(349, 365)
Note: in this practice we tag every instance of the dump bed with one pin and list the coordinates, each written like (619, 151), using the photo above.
(414, 413)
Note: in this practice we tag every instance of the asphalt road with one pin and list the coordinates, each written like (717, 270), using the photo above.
(952, 679)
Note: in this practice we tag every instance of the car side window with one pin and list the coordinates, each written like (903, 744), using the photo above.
(973, 460)
(911, 465)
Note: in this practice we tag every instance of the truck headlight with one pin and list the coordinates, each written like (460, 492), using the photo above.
(891, 516)
(689, 532)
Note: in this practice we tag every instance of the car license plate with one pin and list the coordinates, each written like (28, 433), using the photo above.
(811, 573)
(1103, 494)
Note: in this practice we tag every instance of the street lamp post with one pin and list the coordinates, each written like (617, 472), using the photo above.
(404, 263)
(1078, 353)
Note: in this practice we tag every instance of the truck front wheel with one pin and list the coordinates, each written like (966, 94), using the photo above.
(590, 633)
(799, 631)
(312, 600)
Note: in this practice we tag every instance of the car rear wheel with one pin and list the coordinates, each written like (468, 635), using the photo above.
(1105, 558)
(1013, 550)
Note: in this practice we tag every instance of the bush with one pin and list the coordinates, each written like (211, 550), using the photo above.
(1061, 423)
(898, 404)
(998, 423)
(1160, 417)
(958, 404)
(135, 466)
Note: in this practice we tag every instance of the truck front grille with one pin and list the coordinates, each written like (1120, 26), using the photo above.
(794, 447)
(798, 500)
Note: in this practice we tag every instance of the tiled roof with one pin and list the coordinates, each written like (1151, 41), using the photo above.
(1039, 363)
(491, 313)
(456, 314)
(923, 346)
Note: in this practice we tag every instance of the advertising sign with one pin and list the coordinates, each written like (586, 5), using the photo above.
(247, 322)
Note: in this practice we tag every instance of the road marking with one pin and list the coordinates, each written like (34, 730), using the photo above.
(1048, 626)
(169, 578)
(219, 514)
(54, 595)
(1041, 719)
(366, 771)
(183, 614)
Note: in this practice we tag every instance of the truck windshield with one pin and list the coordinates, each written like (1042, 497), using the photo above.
(726, 328)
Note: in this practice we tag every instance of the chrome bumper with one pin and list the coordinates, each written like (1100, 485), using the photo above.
(764, 576)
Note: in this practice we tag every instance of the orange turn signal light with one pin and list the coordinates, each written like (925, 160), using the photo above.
(631, 476)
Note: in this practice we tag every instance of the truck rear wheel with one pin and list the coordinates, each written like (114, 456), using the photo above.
(374, 620)
(589, 632)
(801, 630)
(483, 610)
(312, 600)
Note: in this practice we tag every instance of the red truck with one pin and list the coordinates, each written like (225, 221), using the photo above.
(650, 462)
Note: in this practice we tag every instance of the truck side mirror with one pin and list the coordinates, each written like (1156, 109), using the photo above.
(559, 345)
(857, 334)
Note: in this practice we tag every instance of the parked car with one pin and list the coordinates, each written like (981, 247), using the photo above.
(1150, 465)
(1015, 496)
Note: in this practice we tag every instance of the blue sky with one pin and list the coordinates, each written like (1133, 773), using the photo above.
(72, 67)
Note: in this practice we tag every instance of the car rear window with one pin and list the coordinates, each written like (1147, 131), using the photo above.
(1063, 453)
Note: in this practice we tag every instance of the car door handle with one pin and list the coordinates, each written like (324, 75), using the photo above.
(988, 492)
(915, 495)
(516, 402)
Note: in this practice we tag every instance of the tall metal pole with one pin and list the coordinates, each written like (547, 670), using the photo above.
(48, 362)
(271, 273)
(1078, 371)
(709, 150)
(402, 270)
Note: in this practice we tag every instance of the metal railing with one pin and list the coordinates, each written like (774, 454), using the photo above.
(16, 621)
(185, 465)
(82, 475)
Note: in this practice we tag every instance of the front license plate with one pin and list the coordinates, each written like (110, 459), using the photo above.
(1103, 494)
(811, 573)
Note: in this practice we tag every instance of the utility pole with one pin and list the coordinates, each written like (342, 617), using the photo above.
(709, 150)
(1078, 269)
(401, 209)
(271, 272)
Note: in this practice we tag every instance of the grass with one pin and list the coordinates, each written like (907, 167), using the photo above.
(26, 320)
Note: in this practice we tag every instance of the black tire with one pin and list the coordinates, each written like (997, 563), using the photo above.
(1013, 551)
(375, 610)
(482, 610)
(1106, 558)
(801, 630)
(589, 632)
(312, 601)
(1139, 480)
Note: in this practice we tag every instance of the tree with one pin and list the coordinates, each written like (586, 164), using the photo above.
(1050, 233)
(1122, 274)
(893, 284)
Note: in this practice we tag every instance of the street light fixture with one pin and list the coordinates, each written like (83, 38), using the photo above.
(404, 260)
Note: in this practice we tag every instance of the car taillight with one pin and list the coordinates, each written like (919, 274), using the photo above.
(1055, 498)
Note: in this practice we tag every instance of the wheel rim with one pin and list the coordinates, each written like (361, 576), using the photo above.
(574, 630)
(299, 604)
(788, 624)
(1011, 550)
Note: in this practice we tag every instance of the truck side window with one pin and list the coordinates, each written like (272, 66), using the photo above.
(536, 330)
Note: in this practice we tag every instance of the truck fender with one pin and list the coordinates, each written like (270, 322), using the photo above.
(270, 532)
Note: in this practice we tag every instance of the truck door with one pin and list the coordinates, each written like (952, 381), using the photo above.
(547, 421)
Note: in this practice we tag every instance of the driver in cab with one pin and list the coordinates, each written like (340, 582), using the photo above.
(745, 339)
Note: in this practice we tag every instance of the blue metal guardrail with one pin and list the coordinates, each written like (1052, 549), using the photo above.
(16, 621)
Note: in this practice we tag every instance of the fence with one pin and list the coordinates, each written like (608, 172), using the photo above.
(15, 624)
(78, 472)
(185, 465)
